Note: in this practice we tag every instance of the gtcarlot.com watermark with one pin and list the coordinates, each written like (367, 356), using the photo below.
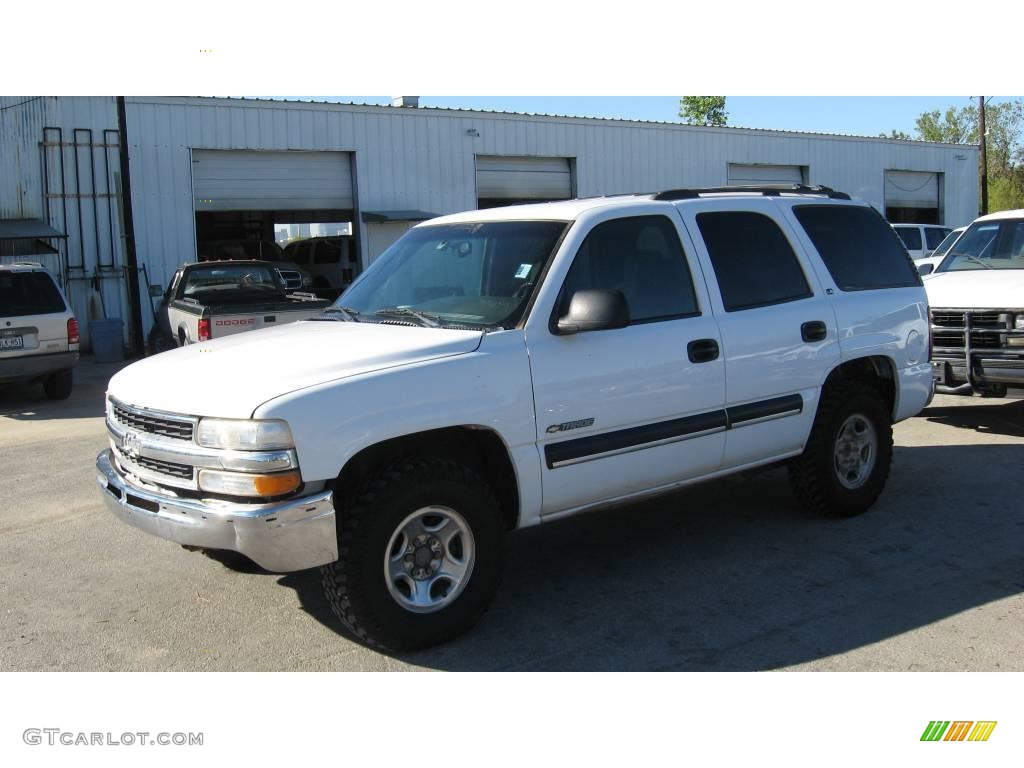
(56, 737)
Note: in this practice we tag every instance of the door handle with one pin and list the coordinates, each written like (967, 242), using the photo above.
(813, 330)
(702, 350)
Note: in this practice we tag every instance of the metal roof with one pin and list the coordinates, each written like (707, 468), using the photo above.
(635, 121)
(26, 229)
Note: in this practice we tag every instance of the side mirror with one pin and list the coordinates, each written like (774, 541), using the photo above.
(594, 310)
(925, 269)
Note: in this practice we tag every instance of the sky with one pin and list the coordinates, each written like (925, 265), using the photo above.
(858, 115)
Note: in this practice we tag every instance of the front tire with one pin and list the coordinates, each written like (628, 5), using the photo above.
(58, 385)
(846, 462)
(419, 555)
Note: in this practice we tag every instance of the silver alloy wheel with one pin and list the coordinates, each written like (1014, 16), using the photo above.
(429, 559)
(855, 451)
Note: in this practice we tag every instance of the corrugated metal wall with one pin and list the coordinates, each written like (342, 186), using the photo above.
(78, 198)
(423, 159)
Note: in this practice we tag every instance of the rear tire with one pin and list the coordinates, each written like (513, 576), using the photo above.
(381, 588)
(58, 385)
(843, 469)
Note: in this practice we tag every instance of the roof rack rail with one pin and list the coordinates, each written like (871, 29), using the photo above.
(768, 190)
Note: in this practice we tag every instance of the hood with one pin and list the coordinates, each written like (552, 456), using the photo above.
(976, 288)
(231, 377)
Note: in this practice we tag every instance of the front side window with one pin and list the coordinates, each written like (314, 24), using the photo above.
(753, 261)
(911, 237)
(987, 245)
(28, 293)
(477, 274)
(947, 243)
(640, 256)
(858, 247)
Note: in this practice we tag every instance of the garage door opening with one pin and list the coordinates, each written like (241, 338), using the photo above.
(756, 174)
(504, 180)
(913, 197)
(294, 208)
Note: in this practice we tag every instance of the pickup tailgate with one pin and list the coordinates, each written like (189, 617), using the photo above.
(226, 323)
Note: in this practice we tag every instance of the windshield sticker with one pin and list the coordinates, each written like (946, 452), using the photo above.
(523, 271)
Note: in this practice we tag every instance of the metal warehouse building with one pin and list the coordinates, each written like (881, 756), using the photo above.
(207, 176)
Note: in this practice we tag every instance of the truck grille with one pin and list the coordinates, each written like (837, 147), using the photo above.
(165, 467)
(151, 423)
(987, 328)
(944, 318)
(979, 340)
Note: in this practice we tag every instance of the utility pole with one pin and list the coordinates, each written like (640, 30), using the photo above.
(984, 157)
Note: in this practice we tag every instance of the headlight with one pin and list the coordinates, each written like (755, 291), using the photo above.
(1018, 322)
(307, 281)
(244, 434)
(243, 484)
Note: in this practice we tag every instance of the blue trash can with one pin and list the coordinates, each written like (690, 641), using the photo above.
(106, 340)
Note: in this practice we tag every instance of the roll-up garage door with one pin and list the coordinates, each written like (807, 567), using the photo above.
(753, 174)
(911, 189)
(511, 179)
(244, 180)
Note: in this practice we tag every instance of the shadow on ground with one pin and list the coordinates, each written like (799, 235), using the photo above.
(730, 576)
(26, 401)
(1006, 418)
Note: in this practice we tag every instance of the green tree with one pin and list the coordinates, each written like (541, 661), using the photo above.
(703, 110)
(894, 134)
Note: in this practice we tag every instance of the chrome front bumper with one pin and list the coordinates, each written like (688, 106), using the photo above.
(283, 536)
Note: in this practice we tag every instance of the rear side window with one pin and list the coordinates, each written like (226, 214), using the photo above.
(911, 237)
(933, 237)
(857, 246)
(754, 262)
(28, 293)
(640, 256)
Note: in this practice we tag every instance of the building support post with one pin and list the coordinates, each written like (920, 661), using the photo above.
(138, 342)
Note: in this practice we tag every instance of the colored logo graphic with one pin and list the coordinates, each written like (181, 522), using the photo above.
(958, 730)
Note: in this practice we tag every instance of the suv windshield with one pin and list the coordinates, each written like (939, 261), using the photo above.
(28, 293)
(995, 244)
(230, 283)
(479, 275)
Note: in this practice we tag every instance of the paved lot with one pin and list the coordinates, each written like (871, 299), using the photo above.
(723, 576)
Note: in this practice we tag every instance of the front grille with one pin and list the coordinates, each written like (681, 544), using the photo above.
(979, 339)
(154, 425)
(164, 467)
(947, 319)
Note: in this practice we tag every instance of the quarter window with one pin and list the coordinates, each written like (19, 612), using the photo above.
(858, 247)
(911, 237)
(640, 256)
(754, 262)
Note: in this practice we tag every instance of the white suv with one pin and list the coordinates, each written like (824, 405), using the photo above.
(38, 332)
(498, 369)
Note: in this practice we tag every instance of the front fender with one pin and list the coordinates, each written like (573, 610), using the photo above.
(490, 387)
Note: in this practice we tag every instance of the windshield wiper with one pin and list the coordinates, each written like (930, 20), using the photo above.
(428, 320)
(347, 314)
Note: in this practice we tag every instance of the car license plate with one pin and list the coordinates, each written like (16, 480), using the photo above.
(939, 372)
(12, 342)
